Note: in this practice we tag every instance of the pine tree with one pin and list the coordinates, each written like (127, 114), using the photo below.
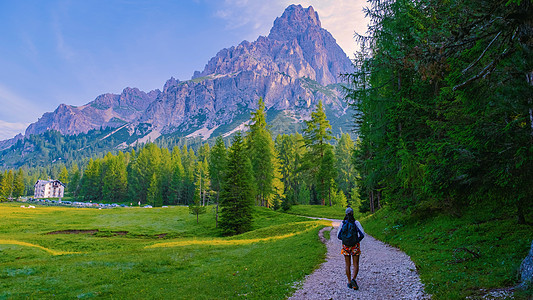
(2, 176)
(178, 174)
(316, 137)
(74, 180)
(201, 179)
(6, 186)
(217, 166)
(115, 182)
(91, 186)
(188, 160)
(154, 192)
(145, 165)
(237, 195)
(166, 174)
(63, 175)
(10, 178)
(18, 184)
(260, 146)
(327, 174)
(346, 171)
(197, 207)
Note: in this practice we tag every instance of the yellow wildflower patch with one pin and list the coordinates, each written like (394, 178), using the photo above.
(20, 243)
(234, 242)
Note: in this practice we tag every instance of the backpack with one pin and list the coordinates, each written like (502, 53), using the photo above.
(350, 234)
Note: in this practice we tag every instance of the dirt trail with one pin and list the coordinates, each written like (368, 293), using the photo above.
(385, 272)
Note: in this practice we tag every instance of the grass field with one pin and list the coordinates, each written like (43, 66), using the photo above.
(320, 211)
(139, 253)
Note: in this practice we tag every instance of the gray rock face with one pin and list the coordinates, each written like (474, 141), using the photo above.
(526, 270)
(294, 67)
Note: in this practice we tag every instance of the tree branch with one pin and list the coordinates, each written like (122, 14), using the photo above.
(482, 54)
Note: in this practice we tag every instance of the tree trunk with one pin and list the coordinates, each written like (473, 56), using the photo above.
(216, 211)
(321, 196)
(520, 212)
(529, 77)
(371, 196)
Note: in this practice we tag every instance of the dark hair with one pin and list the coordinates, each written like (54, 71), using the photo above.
(349, 217)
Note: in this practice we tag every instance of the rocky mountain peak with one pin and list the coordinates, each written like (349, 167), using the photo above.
(170, 83)
(294, 21)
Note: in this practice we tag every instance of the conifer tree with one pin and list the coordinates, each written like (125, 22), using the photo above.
(196, 208)
(188, 160)
(316, 139)
(237, 195)
(63, 175)
(146, 164)
(115, 182)
(260, 146)
(18, 184)
(346, 171)
(178, 173)
(91, 187)
(154, 192)
(74, 180)
(201, 180)
(327, 174)
(165, 175)
(6, 185)
(217, 167)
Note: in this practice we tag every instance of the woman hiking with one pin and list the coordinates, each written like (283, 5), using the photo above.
(351, 233)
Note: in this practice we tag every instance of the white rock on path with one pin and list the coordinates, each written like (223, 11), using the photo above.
(385, 272)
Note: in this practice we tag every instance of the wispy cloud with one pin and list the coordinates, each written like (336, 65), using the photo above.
(255, 15)
(19, 108)
(62, 47)
(9, 130)
(342, 18)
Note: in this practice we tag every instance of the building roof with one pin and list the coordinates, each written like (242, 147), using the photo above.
(40, 181)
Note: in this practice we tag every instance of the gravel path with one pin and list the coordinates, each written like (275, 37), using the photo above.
(384, 273)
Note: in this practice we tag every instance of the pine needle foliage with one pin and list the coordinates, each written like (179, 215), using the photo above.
(237, 195)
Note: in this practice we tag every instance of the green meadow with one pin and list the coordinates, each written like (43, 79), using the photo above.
(319, 211)
(140, 253)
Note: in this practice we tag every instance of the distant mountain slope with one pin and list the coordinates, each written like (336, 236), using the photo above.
(292, 68)
(107, 110)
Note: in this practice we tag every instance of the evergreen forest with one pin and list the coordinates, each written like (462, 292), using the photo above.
(444, 95)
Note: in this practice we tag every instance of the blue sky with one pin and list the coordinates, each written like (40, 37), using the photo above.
(60, 51)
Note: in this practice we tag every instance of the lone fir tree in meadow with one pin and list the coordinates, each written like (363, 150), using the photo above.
(237, 195)
(196, 207)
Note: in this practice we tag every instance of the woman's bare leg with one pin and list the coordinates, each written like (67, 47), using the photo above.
(347, 260)
(355, 266)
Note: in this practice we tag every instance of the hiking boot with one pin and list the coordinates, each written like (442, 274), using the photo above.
(354, 285)
(350, 285)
